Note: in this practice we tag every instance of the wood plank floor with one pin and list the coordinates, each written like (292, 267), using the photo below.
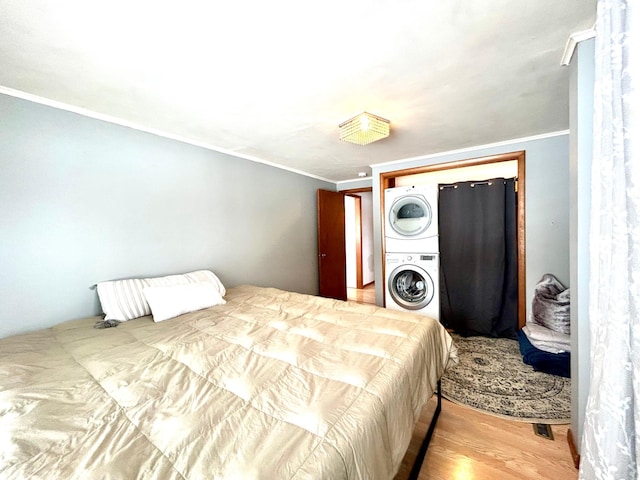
(471, 445)
(363, 295)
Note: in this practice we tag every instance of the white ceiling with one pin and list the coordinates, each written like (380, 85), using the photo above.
(272, 80)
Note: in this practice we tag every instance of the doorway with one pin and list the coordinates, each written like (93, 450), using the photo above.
(359, 247)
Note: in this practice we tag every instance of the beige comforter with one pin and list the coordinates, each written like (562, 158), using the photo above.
(272, 385)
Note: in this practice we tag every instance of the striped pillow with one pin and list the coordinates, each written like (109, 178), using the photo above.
(124, 300)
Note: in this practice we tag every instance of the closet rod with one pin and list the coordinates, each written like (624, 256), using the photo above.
(473, 184)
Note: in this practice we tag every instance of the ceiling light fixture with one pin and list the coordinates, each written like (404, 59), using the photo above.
(364, 129)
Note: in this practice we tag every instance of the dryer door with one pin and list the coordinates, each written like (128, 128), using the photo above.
(410, 215)
(411, 287)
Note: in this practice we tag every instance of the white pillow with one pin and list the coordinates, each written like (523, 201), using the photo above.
(123, 299)
(171, 301)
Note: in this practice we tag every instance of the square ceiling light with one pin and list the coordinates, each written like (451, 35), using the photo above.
(364, 129)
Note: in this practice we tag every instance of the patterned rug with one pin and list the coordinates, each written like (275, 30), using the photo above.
(492, 377)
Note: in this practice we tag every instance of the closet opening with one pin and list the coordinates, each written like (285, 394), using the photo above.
(511, 165)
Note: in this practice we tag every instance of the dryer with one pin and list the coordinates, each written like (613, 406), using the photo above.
(412, 283)
(411, 219)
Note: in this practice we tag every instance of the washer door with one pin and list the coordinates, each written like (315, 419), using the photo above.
(410, 215)
(411, 287)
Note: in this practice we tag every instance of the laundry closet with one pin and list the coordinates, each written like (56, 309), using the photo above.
(451, 246)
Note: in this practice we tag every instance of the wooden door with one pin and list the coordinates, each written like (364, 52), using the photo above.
(331, 245)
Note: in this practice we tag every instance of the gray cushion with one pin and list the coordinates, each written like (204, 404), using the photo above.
(551, 305)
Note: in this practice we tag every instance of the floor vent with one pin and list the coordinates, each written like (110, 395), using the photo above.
(543, 430)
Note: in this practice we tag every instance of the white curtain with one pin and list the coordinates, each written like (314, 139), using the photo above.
(610, 448)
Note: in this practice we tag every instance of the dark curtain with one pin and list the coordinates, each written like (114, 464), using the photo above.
(478, 258)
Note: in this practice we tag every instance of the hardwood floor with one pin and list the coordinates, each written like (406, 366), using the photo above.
(364, 295)
(470, 445)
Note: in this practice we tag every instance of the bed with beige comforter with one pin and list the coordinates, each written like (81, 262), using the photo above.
(271, 385)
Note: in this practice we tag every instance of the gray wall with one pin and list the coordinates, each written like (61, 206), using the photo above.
(581, 120)
(547, 205)
(353, 184)
(83, 201)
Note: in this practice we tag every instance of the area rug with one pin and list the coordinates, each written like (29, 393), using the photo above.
(492, 377)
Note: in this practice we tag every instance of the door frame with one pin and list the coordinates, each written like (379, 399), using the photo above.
(353, 193)
(387, 180)
(357, 201)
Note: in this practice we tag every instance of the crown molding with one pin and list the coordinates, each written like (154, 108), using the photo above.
(160, 133)
(125, 123)
(573, 40)
(474, 148)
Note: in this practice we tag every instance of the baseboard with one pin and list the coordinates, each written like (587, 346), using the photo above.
(572, 448)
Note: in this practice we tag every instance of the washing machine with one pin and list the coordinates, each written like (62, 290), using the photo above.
(412, 283)
(411, 219)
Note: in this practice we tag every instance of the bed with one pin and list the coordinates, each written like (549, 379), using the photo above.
(269, 385)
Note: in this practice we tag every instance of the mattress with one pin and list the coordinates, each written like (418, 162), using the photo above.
(271, 385)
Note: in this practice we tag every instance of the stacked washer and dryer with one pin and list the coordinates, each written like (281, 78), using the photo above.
(412, 258)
